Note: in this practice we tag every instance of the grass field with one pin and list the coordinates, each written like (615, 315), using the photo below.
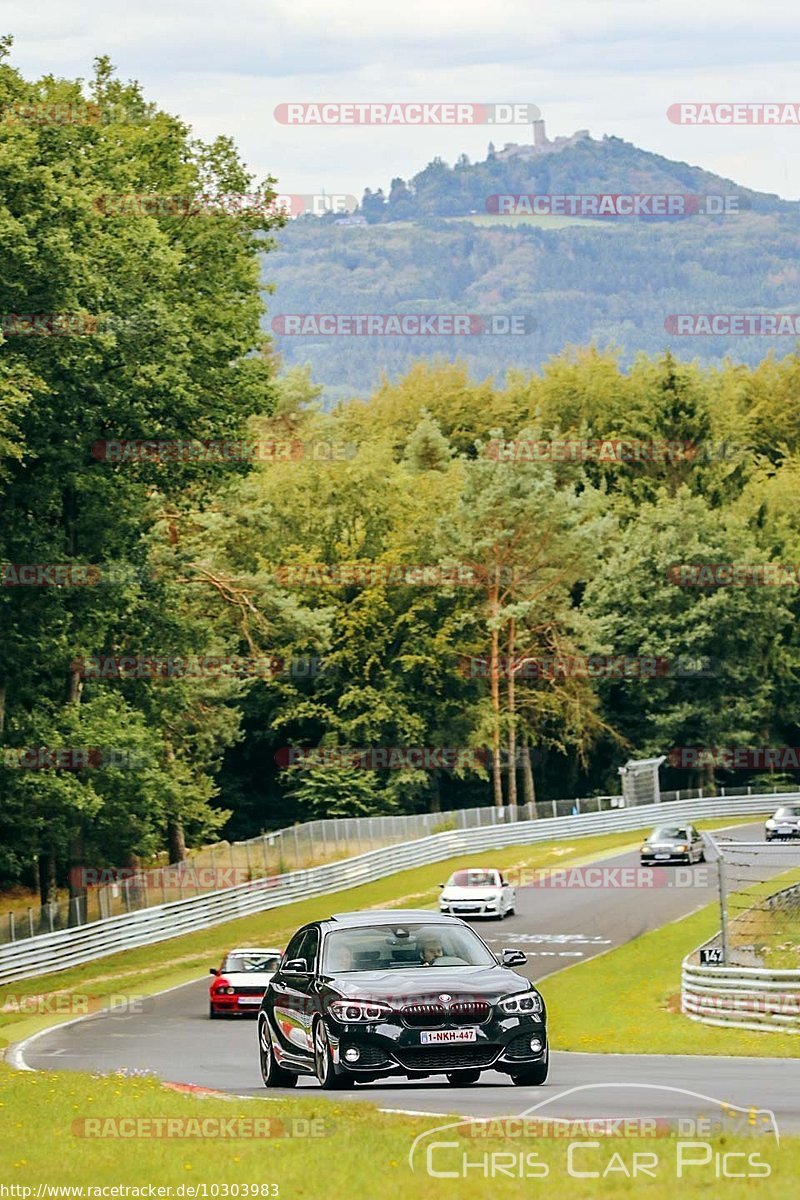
(64, 1130)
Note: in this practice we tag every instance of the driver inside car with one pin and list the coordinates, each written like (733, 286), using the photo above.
(430, 949)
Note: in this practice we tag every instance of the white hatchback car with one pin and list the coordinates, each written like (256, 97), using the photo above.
(477, 892)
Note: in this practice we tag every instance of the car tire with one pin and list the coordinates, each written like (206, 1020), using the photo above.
(213, 1015)
(271, 1073)
(324, 1066)
(462, 1078)
(701, 858)
(533, 1076)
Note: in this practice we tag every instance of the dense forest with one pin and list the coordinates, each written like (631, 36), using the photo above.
(394, 560)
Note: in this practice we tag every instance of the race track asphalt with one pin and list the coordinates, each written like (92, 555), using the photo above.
(171, 1035)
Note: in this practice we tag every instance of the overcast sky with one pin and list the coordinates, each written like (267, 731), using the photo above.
(612, 66)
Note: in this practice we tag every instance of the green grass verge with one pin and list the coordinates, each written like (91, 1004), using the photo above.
(634, 1001)
(358, 1153)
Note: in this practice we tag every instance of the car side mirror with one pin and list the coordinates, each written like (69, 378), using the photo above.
(296, 966)
(214, 971)
(512, 958)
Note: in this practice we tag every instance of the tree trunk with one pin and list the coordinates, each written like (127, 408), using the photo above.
(512, 718)
(177, 841)
(494, 680)
(528, 789)
(77, 880)
(2, 707)
(48, 888)
(436, 794)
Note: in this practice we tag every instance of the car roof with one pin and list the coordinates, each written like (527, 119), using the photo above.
(395, 916)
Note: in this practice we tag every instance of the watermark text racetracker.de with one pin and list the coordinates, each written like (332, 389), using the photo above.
(733, 324)
(405, 113)
(726, 112)
(613, 204)
(600, 878)
(383, 758)
(693, 1137)
(403, 324)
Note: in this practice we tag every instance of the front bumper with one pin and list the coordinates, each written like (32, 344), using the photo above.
(470, 908)
(664, 858)
(502, 1044)
(782, 835)
(236, 1003)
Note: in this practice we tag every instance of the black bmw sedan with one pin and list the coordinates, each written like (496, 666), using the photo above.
(360, 996)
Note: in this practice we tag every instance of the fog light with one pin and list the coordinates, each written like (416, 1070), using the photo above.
(352, 1054)
(536, 1045)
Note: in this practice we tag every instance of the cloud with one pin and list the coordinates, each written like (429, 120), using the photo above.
(612, 67)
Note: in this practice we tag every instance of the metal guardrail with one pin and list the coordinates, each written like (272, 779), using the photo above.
(114, 892)
(760, 998)
(741, 997)
(50, 952)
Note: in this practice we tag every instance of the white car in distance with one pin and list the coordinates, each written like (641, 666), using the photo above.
(477, 892)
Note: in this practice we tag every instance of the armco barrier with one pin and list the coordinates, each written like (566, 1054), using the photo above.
(46, 953)
(742, 997)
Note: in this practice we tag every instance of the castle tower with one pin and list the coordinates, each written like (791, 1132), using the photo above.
(539, 135)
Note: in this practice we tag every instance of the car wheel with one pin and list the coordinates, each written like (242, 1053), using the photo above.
(462, 1078)
(701, 858)
(213, 1015)
(271, 1073)
(324, 1066)
(533, 1076)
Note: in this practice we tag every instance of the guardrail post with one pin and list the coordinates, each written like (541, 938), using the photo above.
(296, 848)
(11, 927)
(723, 909)
(30, 922)
(555, 808)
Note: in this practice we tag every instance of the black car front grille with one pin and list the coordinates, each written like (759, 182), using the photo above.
(460, 1012)
(250, 991)
(445, 1058)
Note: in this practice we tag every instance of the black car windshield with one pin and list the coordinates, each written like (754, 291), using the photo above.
(390, 947)
(251, 962)
(783, 813)
(668, 831)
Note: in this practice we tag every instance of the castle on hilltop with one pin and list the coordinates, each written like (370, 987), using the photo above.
(541, 144)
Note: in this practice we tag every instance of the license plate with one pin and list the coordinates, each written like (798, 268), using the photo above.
(785, 829)
(663, 856)
(430, 1037)
(249, 999)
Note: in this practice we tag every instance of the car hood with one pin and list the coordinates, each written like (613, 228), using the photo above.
(247, 978)
(471, 893)
(426, 984)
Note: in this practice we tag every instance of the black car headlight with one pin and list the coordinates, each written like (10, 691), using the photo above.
(350, 1012)
(529, 1003)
